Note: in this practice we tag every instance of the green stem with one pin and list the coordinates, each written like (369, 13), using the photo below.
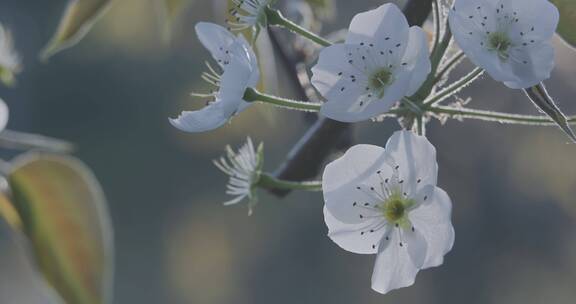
(436, 8)
(421, 126)
(275, 17)
(448, 66)
(27, 141)
(454, 87)
(269, 182)
(253, 95)
(439, 52)
(498, 116)
(435, 58)
(412, 106)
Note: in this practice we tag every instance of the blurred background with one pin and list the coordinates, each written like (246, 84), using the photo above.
(513, 187)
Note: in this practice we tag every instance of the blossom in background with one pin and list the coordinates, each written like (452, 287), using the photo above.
(9, 59)
(381, 61)
(385, 202)
(240, 71)
(248, 14)
(510, 39)
(4, 114)
(244, 169)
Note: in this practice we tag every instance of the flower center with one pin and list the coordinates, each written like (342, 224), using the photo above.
(379, 80)
(394, 209)
(500, 43)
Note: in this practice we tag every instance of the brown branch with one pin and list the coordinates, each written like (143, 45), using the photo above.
(325, 136)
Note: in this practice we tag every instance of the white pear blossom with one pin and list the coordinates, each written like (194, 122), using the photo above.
(244, 169)
(385, 202)
(240, 71)
(9, 58)
(248, 14)
(510, 39)
(4, 114)
(381, 61)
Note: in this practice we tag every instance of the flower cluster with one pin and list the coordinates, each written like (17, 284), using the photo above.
(383, 201)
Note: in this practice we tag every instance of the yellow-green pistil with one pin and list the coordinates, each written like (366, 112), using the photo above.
(395, 209)
(379, 80)
(499, 42)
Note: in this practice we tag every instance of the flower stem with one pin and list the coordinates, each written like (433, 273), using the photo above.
(270, 182)
(420, 126)
(507, 118)
(253, 95)
(454, 87)
(435, 58)
(440, 50)
(449, 65)
(437, 29)
(275, 17)
(26, 141)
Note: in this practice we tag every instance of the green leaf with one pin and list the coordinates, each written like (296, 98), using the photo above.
(8, 213)
(20, 281)
(78, 19)
(546, 104)
(567, 26)
(64, 215)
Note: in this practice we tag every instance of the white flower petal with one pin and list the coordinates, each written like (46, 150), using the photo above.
(530, 68)
(209, 118)
(416, 246)
(252, 61)
(386, 21)
(362, 238)
(540, 14)
(331, 62)
(4, 114)
(216, 39)
(393, 268)
(415, 158)
(432, 218)
(358, 167)
(417, 59)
